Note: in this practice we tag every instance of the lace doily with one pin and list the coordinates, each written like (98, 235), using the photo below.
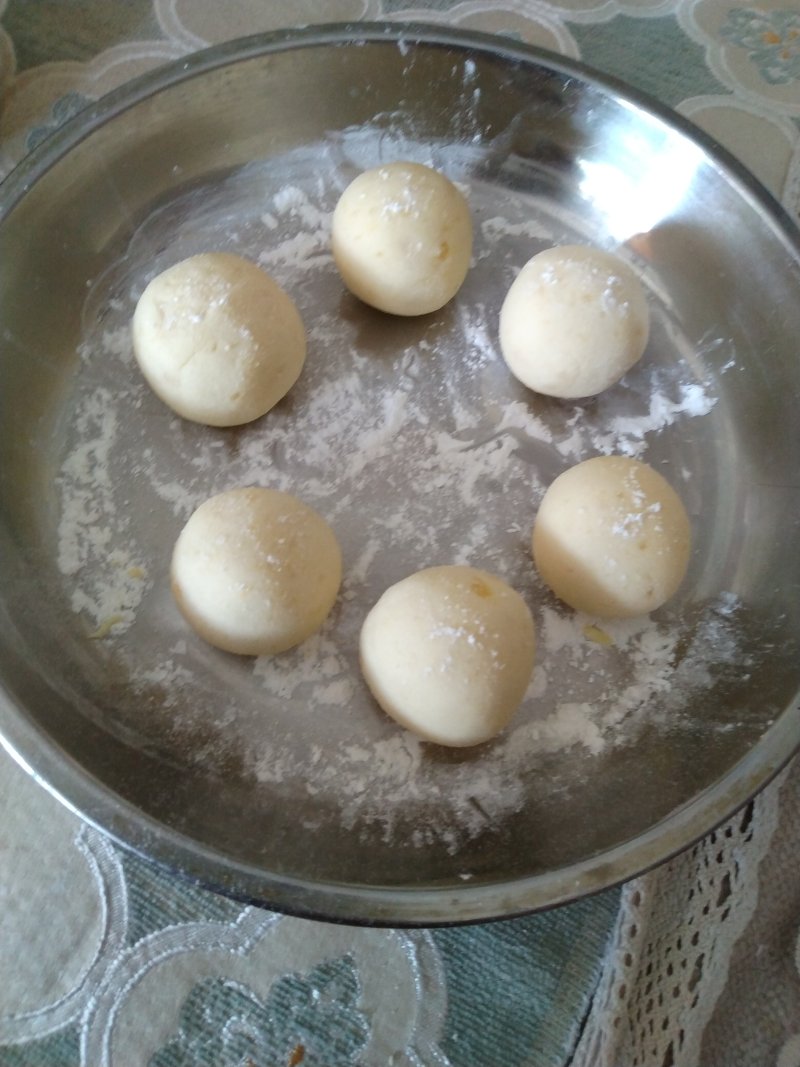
(678, 932)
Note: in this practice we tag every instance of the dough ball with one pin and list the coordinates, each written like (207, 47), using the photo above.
(402, 238)
(612, 538)
(448, 652)
(573, 322)
(218, 340)
(256, 571)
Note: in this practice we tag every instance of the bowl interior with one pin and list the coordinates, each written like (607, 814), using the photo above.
(278, 780)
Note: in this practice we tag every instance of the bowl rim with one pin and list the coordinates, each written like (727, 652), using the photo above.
(96, 803)
(83, 123)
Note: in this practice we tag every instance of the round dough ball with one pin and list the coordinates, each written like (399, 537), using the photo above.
(612, 538)
(448, 652)
(218, 340)
(256, 571)
(402, 238)
(573, 322)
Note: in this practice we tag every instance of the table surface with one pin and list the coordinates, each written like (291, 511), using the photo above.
(107, 960)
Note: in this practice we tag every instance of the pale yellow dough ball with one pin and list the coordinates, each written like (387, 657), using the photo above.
(218, 340)
(612, 538)
(448, 653)
(256, 571)
(402, 238)
(573, 322)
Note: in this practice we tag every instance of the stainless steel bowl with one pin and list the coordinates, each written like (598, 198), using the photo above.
(279, 781)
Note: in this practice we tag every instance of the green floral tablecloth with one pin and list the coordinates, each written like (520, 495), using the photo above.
(106, 960)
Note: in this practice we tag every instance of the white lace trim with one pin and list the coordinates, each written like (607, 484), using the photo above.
(671, 948)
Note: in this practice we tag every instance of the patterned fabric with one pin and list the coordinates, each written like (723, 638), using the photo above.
(771, 41)
(109, 961)
(106, 960)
